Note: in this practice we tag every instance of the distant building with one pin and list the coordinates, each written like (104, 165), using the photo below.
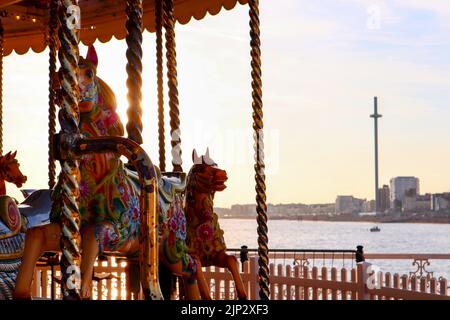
(243, 209)
(348, 205)
(280, 210)
(399, 186)
(344, 204)
(384, 196)
(222, 212)
(416, 203)
(369, 206)
(440, 201)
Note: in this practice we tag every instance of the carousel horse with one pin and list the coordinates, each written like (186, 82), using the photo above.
(204, 235)
(109, 202)
(11, 225)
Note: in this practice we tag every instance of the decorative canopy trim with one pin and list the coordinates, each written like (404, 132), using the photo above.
(26, 22)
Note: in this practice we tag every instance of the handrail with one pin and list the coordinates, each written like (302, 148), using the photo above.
(408, 256)
(373, 256)
(301, 250)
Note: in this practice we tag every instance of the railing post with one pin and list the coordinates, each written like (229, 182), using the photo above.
(361, 280)
(243, 256)
(254, 283)
(36, 285)
(359, 254)
(443, 290)
(133, 285)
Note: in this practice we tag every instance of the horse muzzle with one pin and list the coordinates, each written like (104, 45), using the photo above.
(220, 177)
(19, 182)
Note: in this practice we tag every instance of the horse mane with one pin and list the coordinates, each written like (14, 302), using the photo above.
(109, 101)
(191, 184)
(108, 95)
(3, 166)
(194, 186)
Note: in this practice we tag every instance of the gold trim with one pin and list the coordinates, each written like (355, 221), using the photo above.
(9, 235)
(11, 256)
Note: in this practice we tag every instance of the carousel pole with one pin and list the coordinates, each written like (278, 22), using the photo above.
(52, 45)
(69, 116)
(134, 27)
(159, 75)
(148, 255)
(174, 112)
(1, 87)
(258, 125)
(133, 39)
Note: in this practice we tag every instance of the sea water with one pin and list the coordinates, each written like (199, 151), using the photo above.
(393, 238)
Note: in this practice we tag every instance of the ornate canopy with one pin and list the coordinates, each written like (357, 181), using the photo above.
(25, 22)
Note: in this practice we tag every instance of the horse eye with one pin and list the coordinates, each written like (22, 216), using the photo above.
(89, 73)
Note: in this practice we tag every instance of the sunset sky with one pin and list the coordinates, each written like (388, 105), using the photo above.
(323, 61)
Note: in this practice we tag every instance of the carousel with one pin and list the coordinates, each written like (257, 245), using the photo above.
(96, 206)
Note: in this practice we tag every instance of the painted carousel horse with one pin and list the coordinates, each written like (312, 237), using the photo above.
(204, 235)
(109, 202)
(11, 225)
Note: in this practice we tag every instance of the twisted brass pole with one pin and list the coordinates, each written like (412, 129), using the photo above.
(148, 255)
(70, 175)
(159, 75)
(1, 87)
(52, 46)
(174, 112)
(258, 125)
(134, 25)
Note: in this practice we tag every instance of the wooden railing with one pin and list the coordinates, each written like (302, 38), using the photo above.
(111, 287)
(288, 281)
(305, 283)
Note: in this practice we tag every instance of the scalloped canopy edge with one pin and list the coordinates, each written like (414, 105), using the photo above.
(26, 24)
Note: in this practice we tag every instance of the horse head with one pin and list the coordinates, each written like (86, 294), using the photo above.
(9, 169)
(87, 79)
(208, 177)
(94, 91)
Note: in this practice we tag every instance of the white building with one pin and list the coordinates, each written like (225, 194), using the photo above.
(399, 186)
(348, 205)
(440, 201)
(417, 203)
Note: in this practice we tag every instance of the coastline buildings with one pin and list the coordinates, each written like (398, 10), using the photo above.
(402, 196)
(348, 205)
(277, 210)
(399, 187)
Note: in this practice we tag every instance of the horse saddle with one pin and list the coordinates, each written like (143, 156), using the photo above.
(16, 219)
(170, 185)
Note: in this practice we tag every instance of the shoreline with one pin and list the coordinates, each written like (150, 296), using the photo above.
(367, 219)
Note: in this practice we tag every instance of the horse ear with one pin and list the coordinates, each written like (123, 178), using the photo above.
(195, 158)
(92, 55)
(207, 158)
(8, 155)
(14, 154)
